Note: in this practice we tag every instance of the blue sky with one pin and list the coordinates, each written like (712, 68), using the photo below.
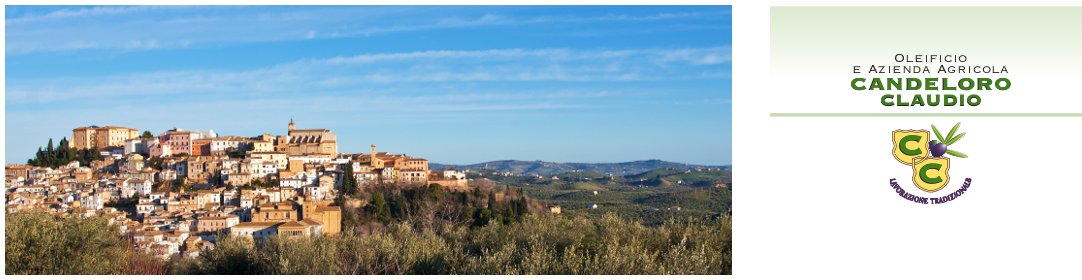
(452, 84)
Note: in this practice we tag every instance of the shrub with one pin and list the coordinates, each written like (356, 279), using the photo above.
(40, 243)
(539, 244)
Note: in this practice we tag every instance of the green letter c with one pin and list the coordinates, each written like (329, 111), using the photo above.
(924, 175)
(907, 151)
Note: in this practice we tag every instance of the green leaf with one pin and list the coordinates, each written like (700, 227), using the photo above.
(953, 130)
(956, 153)
(937, 135)
(956, 138)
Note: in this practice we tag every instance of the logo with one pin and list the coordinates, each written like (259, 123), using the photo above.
(928, 161)
(930, 175)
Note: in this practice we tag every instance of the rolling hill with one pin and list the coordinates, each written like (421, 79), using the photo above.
(546, 168)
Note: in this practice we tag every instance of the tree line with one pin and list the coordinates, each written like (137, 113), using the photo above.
(54, 157)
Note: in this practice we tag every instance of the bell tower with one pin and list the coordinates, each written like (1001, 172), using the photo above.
(291, 125)
(373, 155)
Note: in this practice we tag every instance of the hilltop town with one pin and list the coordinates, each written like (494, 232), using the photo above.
(172, 193)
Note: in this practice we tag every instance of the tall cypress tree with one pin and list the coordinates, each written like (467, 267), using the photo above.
(380, 207)
(39, 158)
(62, 151)
(95, 154)
(349, 184)
(523, 205)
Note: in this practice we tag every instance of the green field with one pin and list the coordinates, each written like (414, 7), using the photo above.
(644, 197)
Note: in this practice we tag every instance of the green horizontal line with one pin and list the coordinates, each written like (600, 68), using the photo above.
(851, 115)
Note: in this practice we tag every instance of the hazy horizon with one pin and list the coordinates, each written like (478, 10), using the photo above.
(443, 163)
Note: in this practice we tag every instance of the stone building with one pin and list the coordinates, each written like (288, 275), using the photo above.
(101, 137)
(213, 224)
(329, 216)
(275, 212)
(306, 142)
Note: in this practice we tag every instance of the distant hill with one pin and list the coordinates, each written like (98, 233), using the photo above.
(546, 168)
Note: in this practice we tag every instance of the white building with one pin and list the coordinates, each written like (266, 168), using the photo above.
(386, 174)
(167, 174)
(268, 168)
(145, 208)
(205, 134)
(451, 173)
(124, 186)
(224, 143)
(365, 178)
(35, 189)
(164, 249)
(140, 186)
(113, 151)
(313, 192)
(292, 183)
(90, 200)
(139, 145)
(156, 197)
(307, 160)
(255, 229)
(413, 176)
(246, 201)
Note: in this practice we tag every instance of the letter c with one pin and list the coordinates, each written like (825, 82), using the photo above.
(907, 139)
(924, 173)
(854, 84)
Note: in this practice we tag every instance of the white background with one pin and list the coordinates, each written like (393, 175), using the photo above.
(813, 198)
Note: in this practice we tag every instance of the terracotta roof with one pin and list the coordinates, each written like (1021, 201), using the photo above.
(311, 222)
(258, 224)
(292, 224)
(328, 208)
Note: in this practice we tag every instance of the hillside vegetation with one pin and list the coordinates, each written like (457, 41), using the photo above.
(539, 244)
(39, 243)
(427, 230)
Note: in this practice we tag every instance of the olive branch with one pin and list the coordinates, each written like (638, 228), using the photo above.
(951, 139)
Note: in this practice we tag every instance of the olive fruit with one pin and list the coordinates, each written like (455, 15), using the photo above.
(938, 150)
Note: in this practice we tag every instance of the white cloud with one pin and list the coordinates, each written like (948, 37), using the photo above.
(114, 27)
(505, 53)
(697, 56)
(371, 70)
(68, 13)
(713, 58)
